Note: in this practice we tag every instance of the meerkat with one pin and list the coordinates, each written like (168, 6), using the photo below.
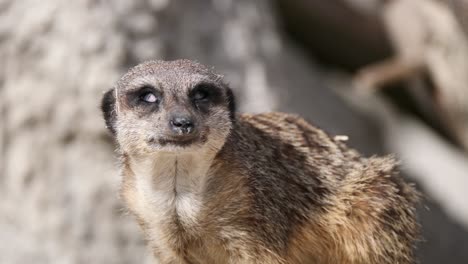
(208, 185)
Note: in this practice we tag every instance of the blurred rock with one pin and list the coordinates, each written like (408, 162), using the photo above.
(58, 173)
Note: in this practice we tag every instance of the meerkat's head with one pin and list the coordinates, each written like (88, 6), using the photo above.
(169, 106)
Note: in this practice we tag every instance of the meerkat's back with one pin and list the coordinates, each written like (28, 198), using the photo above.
(319, 200)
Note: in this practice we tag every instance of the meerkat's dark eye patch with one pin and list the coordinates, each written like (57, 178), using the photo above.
(144, 96)
(205, 93)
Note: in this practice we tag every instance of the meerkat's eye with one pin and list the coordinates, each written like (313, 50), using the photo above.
(204, 92)
(149, 97)
(144, 96)
(200, 95)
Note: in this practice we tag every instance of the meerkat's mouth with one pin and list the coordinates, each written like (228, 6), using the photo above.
(177, 142)
(180, 141)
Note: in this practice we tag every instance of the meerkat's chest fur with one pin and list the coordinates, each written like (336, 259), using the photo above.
(169, 187)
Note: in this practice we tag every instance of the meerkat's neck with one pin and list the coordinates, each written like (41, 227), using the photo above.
(171, 182)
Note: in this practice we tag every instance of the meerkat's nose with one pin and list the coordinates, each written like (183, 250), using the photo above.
(182, 124)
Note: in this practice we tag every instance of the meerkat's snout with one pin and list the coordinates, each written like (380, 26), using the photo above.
(182, 124)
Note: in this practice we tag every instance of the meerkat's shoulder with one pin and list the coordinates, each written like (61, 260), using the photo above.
(278, 117)
(279, 122)
(295, 130)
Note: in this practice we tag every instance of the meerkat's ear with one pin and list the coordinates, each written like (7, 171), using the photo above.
(231, 102)
(108, 110)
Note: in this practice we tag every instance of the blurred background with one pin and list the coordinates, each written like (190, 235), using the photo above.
(390, 74)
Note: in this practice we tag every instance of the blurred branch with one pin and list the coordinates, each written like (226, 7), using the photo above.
(385, 73)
